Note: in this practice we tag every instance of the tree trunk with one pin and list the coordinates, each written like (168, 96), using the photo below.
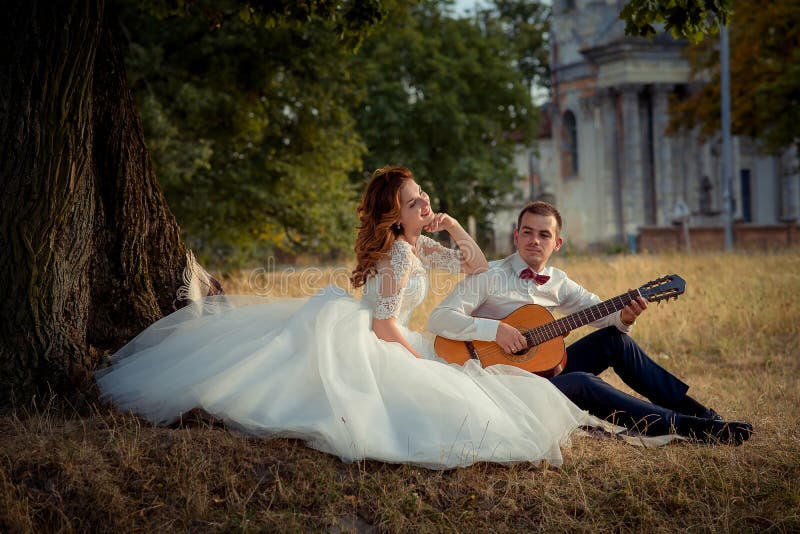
(91, 254)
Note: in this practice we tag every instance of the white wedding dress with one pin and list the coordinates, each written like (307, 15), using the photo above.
(313, 369)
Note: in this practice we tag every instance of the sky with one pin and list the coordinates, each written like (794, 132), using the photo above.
(462, 6)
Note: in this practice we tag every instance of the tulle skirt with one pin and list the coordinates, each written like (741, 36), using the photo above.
(313, 369)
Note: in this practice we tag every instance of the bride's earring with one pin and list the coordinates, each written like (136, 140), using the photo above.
(397, 227)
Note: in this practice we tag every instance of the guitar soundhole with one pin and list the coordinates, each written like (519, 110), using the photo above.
(522, 356)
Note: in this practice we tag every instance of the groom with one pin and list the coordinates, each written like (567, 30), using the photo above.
(472, 310)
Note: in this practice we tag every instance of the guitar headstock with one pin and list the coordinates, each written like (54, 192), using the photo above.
(663, 288)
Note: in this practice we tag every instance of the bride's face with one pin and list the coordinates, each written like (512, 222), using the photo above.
(415, 207)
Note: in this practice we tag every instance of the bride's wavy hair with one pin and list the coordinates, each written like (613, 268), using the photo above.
(378, 211)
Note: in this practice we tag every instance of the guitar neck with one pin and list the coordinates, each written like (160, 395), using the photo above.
(563, 326)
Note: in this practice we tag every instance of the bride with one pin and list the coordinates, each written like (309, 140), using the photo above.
(347, 376)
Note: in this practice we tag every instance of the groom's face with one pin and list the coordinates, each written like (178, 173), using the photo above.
(536, 239)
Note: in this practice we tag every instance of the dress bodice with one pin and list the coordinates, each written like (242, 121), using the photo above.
(401, 281)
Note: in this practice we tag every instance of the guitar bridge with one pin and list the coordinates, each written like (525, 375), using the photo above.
(471, 349)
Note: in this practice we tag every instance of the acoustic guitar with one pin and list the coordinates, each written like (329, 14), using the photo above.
(545, 354)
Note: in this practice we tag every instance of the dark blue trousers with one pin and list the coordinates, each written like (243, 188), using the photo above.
(596, 352)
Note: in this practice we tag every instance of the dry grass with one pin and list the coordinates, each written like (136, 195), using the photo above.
(733, 336)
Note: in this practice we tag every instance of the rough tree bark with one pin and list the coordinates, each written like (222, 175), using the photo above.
(91, 254)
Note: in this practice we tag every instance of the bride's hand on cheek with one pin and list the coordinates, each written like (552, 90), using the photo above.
(441, 221)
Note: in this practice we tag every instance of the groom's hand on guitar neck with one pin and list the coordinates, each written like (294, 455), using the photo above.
(633, 310)
(510, 339)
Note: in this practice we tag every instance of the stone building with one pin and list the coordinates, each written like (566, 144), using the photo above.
(606, 160)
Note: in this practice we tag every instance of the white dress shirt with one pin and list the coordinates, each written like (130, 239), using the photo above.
(471, 311)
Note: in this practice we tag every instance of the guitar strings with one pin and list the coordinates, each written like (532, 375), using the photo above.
(496, 350)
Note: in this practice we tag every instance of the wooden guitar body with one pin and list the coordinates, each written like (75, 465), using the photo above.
(546, 359)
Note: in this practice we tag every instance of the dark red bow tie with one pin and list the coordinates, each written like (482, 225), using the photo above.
(528, 274)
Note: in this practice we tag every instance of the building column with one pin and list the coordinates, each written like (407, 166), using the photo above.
(709, 165)
(610, 175)
(632, 164)
(790, 184)
(596, 172)
(662, 149)
(737, 210)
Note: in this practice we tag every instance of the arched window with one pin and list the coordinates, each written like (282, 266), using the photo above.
(569, 144)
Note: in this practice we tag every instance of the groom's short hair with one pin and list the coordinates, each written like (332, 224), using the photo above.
(540, 207)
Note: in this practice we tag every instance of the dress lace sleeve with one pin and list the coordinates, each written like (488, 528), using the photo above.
(436, 256)
(393, 277)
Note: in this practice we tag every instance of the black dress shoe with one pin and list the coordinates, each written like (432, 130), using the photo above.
(732, 432)
(708, 430)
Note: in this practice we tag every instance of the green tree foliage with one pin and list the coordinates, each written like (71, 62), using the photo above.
(526, 24)
(351, 20)
(765, 76)
(254, 130)
(443, 97)
(690, 19)
(248, 129)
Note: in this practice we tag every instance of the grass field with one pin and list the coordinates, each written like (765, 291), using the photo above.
(734, 337)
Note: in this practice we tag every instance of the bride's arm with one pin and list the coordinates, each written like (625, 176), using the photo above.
(387, 330)
(394, 276)
(472, 259)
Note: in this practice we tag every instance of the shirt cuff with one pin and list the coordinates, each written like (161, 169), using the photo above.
(621, 326)
(486, 329)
